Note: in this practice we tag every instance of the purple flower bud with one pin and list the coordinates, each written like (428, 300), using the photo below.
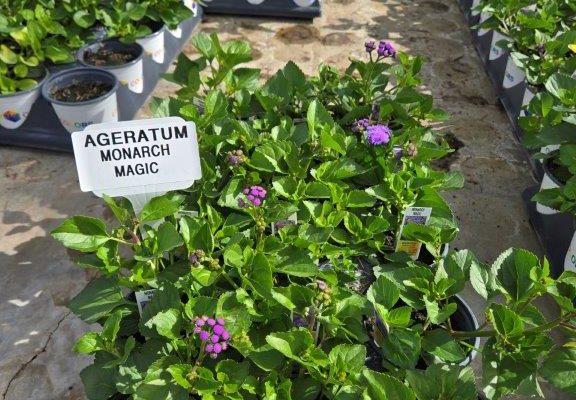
(360, 125)
(322, 285)
(193, 259)
(370, 46)
(204, 336)
(215, 338)
(205, 318)
(251, 197)
(246, 191)
(541, 50)
(211, 321)
(225, 335)
(412, 150)
(378, 134)
(200, 322)
(213, 355)
(221, 321)
(233, 160)
(385, 49)
(197, 329)
(209, 348)
(254, 192)
(397, 152)
(224, 345)
(218, 329)
(217, 348)
(257, 202)
(299, 321)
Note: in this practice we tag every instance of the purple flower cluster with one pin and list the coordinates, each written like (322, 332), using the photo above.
(378, 134)
(541, 50)
(360, 125)
(212, 332)
(370, 46)
(255, 195)
(385, 49)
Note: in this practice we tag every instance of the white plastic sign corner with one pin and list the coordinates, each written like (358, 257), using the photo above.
(136, 157)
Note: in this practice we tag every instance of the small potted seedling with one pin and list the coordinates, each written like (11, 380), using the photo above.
(20, 86)
(124, 60)
(82, 97)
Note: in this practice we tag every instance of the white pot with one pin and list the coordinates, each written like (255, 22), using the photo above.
(570, 261)
(528, 96)
(130, 74)
(513, 76)
(475, 4)
(192, 5)
(483, 17)
(304, 3)
(547, 183)
(77, 116)
(496, 51)
(153, 45)
(177, 33)
(15, 108)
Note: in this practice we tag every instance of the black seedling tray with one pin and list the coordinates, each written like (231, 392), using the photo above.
(43, 130)
(553, 231)
(269, 8)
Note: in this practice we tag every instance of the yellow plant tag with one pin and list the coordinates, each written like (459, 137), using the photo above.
(572, 47)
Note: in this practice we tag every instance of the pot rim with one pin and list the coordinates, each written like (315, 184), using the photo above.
(160, 30)
(85, 48)
(27, 91)
(547, 170)
(80, 71)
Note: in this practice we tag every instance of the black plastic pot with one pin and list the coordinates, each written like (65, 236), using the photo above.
(554, 232)
(130, 75)
(76, 116)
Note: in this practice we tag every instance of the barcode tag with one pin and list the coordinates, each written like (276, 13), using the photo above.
(413, 215)
(143, 298)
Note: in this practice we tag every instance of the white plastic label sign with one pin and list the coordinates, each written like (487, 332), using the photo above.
(413, 215)
(133, 157)
(143, 298)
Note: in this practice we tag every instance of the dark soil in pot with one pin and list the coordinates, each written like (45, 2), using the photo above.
(80, 91)
(104, 57)
(559, 173)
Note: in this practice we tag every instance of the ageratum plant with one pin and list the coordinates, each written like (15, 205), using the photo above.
(240, 315)
(31, 33)
(131, 20)
(550, 125)
(346, 152)
(538, 35)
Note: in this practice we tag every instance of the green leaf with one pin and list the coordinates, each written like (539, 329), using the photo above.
(99, 382)
(81, 233)
(168, 323)
(232, 374)
(383, 292)
(438, 314)
(513, 270)
(385, 387)
(84, 19)
(97, 300)
(296, 264)
(260, 275)
(162, 206)
(439, 343)
(291, 344)
(559, 368)
(7, 55)
(89, 343)
(112, 327)
(347, 357)
(168, 237)
(506, 322)
(443, 382)
(402, 347)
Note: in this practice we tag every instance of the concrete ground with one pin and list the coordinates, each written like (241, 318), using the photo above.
(39, 189)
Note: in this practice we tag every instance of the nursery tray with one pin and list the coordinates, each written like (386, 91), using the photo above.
(553, 231)
(43, 130)
(268, 8)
